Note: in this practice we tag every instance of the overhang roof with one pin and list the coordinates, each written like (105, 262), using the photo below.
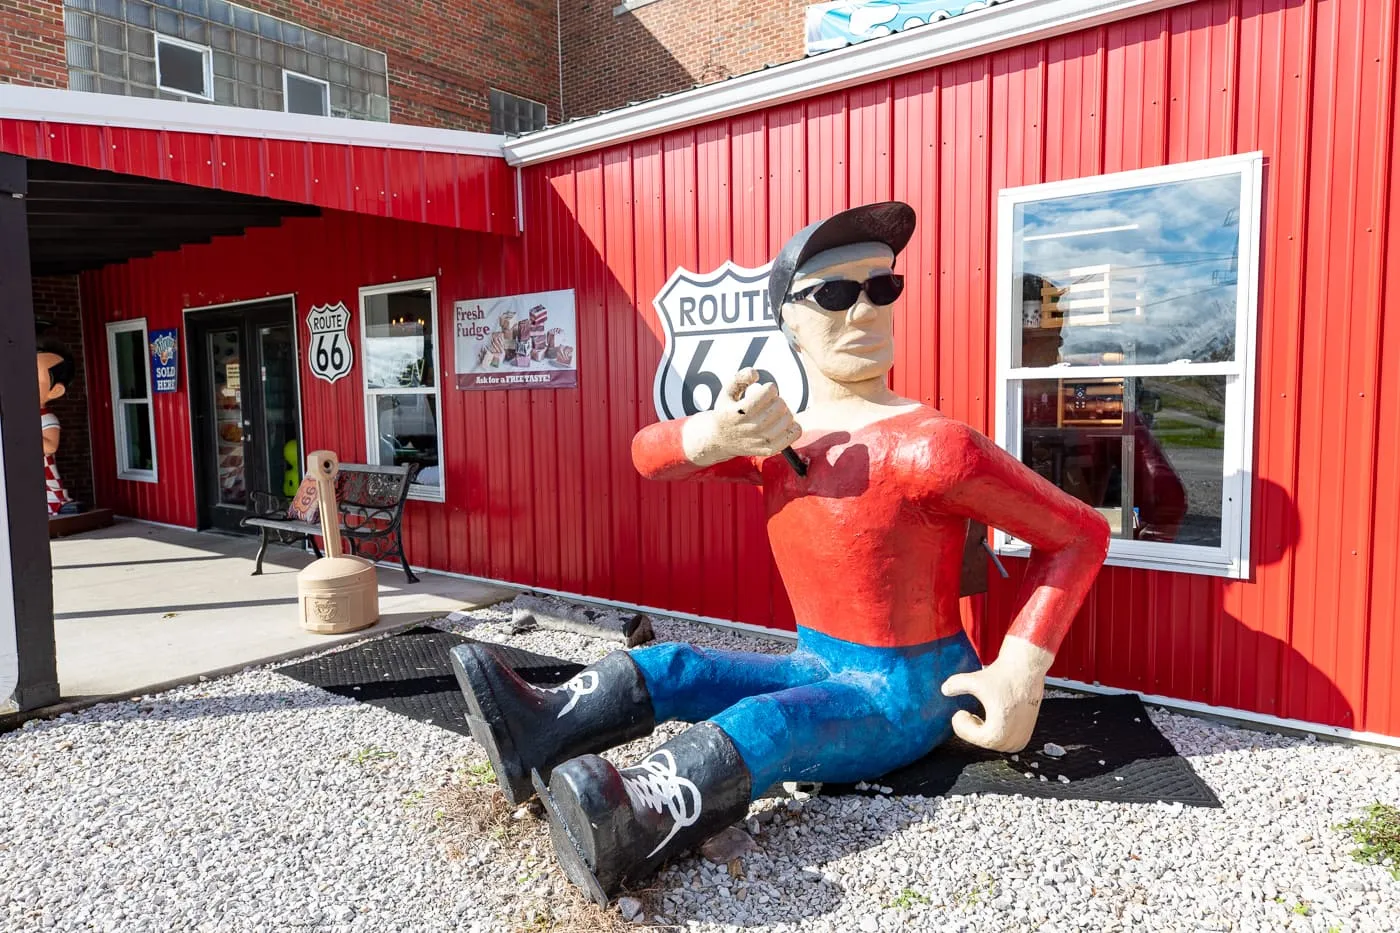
(443, 177)
(81, 218)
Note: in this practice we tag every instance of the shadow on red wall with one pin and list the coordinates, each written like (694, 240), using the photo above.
(1181, 635)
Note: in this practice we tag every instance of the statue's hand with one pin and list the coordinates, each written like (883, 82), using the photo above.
(749, 420)
(1010, 690)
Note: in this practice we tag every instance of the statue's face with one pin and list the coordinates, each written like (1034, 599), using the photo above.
(846, 345)
(47, 390)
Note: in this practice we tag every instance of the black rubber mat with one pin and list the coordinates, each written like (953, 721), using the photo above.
(410, 673)
(1113, 752)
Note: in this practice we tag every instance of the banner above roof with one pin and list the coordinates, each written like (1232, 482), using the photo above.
(840, 23)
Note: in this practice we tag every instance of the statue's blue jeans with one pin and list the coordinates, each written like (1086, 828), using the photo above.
(832, 710)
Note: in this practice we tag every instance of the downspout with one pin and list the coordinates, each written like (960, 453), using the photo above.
(559, 39)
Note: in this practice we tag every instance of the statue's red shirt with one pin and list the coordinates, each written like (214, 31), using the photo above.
(869, 544)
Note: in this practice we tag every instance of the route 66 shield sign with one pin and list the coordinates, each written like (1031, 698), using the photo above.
(328, 349)
(717, 324)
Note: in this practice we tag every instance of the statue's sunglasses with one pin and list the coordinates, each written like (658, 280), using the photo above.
(841, 294)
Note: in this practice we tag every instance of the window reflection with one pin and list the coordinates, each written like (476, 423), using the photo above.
(1131, 276)
(400, 324)
(399, 340)
(1147, 453)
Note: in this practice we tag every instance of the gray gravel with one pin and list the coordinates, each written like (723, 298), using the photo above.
(255, 802)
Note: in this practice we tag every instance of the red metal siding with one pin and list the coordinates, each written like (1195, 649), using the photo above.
(1309, 83)
(472, 192)
(540, 485)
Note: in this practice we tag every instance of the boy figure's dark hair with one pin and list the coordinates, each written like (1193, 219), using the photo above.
(62, 372)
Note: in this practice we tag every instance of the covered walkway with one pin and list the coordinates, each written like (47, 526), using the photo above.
(137, 606)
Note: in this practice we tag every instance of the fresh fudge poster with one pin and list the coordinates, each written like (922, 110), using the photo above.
(517, 342)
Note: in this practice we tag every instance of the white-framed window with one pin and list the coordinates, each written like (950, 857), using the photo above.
(305, 94)
(184, 67)
(128, 360)
(1126, 317)
(403, 423)
(514, 115)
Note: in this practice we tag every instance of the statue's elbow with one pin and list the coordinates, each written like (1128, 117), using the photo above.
(1096, 537)
(647, 460)
(640, 460)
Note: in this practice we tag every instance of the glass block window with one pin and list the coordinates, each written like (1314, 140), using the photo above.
(184, 68)
(306, 95)
(515, 115)
(214, 51)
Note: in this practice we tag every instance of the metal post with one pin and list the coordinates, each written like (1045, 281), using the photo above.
(26, 572)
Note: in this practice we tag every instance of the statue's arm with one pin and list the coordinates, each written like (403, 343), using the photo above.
(659, 452)
(975, 478)
(1068, 538)
(51, 440)
(749, 422)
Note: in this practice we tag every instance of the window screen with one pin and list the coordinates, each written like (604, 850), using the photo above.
(182, 68)
(307, 95)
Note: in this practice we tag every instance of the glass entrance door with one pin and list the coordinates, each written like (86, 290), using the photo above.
(245, 411)
(279, 439)
(232, 422)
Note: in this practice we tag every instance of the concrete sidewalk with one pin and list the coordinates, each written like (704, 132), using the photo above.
(138, 606)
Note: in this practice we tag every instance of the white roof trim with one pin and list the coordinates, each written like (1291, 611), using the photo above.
(976, 33)
(88, 109)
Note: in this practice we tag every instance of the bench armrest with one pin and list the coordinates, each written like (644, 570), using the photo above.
(268, 505)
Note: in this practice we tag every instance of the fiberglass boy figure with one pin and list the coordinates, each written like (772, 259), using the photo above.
(56, 370)
(869, 544)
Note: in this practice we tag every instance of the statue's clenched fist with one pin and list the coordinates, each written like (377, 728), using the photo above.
(749, 420)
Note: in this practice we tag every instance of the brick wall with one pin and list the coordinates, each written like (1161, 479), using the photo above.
(444, 55)
(56, 299)
(31, 43)
(669, 45)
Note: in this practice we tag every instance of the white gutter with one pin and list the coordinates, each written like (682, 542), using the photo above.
(88, 109)
(1005, 25)
(9, 640)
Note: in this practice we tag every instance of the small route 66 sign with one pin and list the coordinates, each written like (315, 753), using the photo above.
(328, 348)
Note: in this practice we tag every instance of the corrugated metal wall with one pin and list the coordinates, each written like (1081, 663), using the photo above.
(540, 485)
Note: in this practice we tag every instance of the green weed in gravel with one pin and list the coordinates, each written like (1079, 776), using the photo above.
(1377, 837)
(372, 753)
(908, 898)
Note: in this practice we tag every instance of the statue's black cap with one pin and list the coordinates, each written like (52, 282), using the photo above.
(888, 222)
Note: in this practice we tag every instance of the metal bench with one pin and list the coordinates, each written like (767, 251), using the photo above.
(370, 500)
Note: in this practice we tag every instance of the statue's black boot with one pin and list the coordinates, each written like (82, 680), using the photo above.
(612, 826)
(524, 728)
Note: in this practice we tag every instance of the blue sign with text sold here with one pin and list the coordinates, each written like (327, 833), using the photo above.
(165, 360)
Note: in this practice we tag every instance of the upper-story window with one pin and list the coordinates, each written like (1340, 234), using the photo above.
(303, 94)
(516, 115)
(214, 51)
(1125, 353)
(184, 68)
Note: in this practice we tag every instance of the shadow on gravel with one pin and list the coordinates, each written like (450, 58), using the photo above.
(166, 708)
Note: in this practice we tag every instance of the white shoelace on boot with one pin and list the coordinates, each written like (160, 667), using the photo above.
(654, 784)
(580, 686)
